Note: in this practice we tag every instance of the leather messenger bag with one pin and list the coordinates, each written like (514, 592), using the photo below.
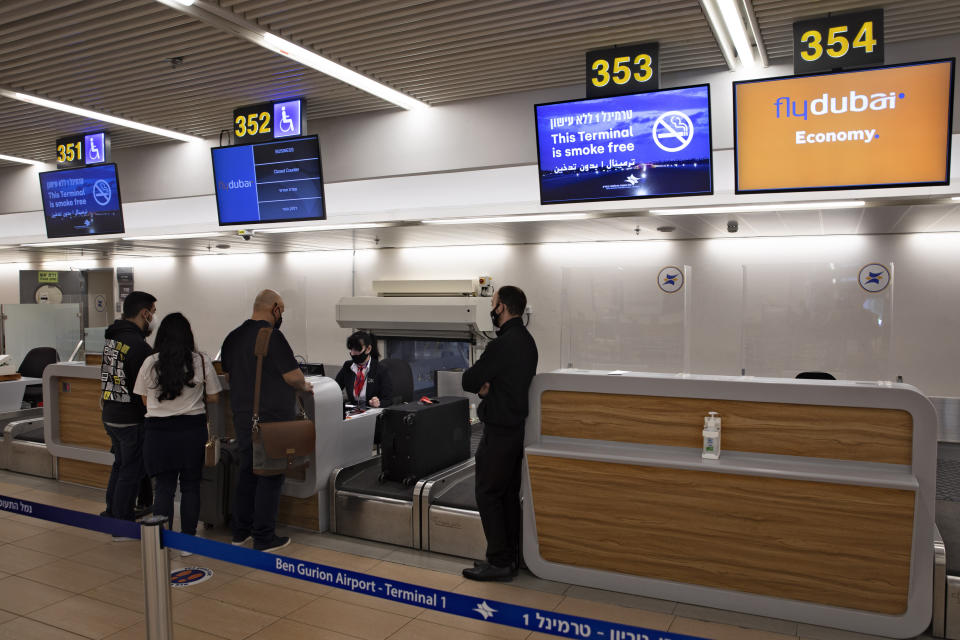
(278, 447)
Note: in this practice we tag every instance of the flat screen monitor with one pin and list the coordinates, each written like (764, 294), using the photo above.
(642, 145)
(81, 202)
(277, 181)
(882, 127)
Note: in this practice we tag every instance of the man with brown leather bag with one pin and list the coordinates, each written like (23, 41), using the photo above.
(258, 496)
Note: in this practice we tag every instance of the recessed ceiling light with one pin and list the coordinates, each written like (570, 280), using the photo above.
(773, 206)
(64, 243)
(497, 219)
(223, 246)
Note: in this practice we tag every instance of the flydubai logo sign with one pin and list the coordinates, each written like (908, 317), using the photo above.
(836, 105)
(223, 185)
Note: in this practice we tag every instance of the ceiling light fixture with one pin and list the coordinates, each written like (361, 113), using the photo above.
(726, 19)
(325, 227)
(96, 115)
(497, 219)
(174, 236)
(955, 198)
(64, 243)
(324, 65)
(748, 208)
(35, 163)
(230, 22)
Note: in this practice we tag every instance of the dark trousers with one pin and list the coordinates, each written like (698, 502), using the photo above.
(124, 484)
(499, 458)
(258, 497)
(189, 497)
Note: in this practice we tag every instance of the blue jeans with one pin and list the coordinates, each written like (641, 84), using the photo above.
(127, 470)
(258, 497)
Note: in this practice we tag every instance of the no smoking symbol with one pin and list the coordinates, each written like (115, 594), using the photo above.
(675, 129)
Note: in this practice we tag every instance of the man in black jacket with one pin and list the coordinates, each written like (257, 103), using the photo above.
(124, 350)
(258, 497)
(501, 377)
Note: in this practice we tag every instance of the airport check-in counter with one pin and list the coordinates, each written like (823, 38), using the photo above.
(820, 508)
(74, 433)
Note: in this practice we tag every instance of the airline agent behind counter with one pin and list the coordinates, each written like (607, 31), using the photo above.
(362, 379)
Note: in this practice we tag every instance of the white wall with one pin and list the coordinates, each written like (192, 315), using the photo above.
(215, 292)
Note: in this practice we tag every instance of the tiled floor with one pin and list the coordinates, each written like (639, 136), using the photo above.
(63, 583)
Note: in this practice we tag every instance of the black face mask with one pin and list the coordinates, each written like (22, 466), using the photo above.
(276, 325)
(359, 358)
(495, 317)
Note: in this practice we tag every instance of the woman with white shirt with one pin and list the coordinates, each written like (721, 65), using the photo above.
(173, 382)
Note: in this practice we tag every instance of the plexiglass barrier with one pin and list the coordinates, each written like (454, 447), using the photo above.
(620, 318)
(26, 326)
(93, 339)
(834, 318)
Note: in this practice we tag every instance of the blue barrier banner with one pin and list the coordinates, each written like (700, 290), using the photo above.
(121, 528)
(511, 615)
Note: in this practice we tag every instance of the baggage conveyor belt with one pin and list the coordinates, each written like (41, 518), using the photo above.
(438, 513)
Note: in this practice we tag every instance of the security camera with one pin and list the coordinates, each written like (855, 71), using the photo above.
(246, 235)
(733, 226)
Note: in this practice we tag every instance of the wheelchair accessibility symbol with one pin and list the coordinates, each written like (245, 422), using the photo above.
(673, 131)
(286, 115)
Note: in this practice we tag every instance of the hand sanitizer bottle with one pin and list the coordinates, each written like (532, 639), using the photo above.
(711, 436)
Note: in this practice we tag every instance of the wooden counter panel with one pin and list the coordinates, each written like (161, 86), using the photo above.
(842, 545)
(300, 512)
(844, 433)
(89, 474)
(81, 423)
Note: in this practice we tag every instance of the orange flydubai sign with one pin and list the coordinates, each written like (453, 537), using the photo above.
(881, 127)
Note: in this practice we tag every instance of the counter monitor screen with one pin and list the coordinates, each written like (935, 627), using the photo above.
(883, 127)
(641, 145)
(269, 182)
(81, 202)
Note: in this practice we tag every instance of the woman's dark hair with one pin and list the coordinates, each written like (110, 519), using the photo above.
(359, 340)
(174, 346)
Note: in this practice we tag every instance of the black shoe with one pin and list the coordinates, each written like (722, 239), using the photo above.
(240, 539)
(139, 512)
(278, 542)
(487, 572)
(106, 514)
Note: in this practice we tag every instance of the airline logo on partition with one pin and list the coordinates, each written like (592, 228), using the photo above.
(827, 104)
(670, 279)
(874, 278)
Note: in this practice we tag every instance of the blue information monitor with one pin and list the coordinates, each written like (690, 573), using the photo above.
(641, 145)
(81, 202)
(269, 182)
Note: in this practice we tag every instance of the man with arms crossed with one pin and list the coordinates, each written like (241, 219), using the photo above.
(501, 377)
(258, 497)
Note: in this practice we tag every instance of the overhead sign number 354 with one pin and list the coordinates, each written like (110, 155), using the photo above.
(837, 44)
(252, 124)
(624, 69)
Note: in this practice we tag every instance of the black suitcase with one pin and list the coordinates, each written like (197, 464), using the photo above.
(419, 439)
(216, 488)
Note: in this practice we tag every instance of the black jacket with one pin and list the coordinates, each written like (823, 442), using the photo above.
(508, 364)
(124, 351)
(379, 384)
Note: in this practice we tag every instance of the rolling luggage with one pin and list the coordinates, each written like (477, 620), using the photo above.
(216, 488)
(419, 439)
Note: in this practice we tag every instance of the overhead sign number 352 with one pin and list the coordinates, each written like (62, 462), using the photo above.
(252, 124)
(624, 69)
(837, 44)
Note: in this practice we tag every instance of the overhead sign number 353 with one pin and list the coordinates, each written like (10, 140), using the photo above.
(252, 124)
(639, 69)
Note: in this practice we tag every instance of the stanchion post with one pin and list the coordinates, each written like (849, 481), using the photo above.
(156, 579)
